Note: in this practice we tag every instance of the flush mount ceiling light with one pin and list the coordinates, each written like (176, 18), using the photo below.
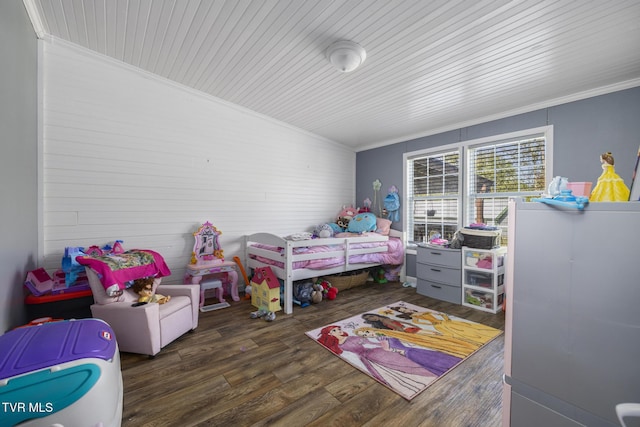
(346, 56)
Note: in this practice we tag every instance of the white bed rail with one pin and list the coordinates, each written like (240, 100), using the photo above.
(343, 249)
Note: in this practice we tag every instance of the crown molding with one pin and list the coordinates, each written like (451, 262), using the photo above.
(34, 17)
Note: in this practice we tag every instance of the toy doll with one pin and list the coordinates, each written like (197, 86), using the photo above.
(610, 187)
(144, 288)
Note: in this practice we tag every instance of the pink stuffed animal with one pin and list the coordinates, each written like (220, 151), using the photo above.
(348, 212)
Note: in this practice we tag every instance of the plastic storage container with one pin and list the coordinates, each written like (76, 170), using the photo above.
(59, 373)
(480, 239)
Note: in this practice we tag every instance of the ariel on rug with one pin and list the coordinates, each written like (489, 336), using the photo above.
(403, 346)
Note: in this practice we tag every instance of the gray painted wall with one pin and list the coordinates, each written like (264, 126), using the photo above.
(18, 159)
(582, 131)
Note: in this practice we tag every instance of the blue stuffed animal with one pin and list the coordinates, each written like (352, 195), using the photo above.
(392, 204)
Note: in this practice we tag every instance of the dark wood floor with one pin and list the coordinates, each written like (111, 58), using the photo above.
(237, 371)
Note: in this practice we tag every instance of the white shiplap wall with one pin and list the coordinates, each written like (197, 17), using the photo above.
(127, 155)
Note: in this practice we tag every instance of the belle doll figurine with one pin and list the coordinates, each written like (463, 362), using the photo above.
(610, 187)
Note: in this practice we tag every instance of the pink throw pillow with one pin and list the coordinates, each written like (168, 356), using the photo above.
(383, 226)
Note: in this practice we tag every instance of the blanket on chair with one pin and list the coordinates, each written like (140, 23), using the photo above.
(118, 269)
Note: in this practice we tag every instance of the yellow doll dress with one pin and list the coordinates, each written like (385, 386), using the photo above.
(610, 187)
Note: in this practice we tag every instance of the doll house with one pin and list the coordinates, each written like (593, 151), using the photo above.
(265, 289)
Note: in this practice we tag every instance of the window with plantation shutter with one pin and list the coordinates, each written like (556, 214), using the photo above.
(471, 182)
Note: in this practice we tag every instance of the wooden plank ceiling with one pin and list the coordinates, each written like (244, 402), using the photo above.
(431, 65)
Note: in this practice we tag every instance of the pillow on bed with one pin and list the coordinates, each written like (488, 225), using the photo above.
(362, 222)
(383, 226)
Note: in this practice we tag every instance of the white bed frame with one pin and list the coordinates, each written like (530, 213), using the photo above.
(343, 250)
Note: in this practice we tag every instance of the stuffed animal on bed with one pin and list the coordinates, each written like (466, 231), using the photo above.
(343, 223)
(336, 228)
(144, 288)
(362, 222)
(348, 212)
(323, 231)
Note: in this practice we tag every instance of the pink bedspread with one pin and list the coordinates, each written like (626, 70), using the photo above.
(393, 256)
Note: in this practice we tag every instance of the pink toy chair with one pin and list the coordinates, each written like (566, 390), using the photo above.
(148, 328)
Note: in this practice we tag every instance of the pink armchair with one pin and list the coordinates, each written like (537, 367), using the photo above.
(148, 328)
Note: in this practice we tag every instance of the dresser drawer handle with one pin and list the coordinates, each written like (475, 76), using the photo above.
(436, 286)
(435, 253)
(436, 270)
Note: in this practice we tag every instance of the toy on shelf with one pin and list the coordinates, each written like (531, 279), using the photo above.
(565, 199)
(39, 282)
(610, 187)
(74, 272)
(560, 195)
(558, 184)
(72, 269)
(95, 250)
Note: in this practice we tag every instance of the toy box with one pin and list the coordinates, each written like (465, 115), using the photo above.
(59, 373)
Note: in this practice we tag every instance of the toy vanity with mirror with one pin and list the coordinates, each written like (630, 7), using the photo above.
(209, 269)
(206, 249)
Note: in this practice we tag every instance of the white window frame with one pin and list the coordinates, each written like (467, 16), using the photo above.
(464, 146)
(430, 152)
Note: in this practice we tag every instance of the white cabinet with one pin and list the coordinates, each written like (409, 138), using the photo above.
(483, 278)
(438, 271)
(572, 326)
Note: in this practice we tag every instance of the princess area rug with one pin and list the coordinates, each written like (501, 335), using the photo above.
(403, 346)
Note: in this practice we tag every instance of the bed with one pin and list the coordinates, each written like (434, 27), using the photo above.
(292, 260)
